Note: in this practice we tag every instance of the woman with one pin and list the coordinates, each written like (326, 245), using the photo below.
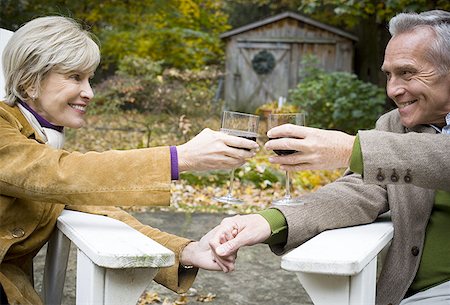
(47, 66)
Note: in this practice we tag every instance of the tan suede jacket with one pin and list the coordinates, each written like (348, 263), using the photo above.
(37, 182)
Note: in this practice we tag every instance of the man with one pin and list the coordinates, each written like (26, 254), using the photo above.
(402, 166)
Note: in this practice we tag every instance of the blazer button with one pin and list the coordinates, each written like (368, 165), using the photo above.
(408, 177)
(415, 251)
(394, 176)
(18, 232)
(380, 176)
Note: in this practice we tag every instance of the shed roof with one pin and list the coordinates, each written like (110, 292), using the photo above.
(284, 15)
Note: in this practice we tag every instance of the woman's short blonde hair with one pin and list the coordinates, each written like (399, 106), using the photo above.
(44, 44)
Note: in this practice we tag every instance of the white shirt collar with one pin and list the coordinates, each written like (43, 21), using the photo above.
(50, 136)
(446, 129)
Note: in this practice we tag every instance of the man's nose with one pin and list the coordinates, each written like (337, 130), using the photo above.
(395, 88)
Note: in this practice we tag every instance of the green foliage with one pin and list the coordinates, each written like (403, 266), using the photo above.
(337, 100)
(259, 173)
(185, 33)
(218, 178)
(351, 13)
(143, 67)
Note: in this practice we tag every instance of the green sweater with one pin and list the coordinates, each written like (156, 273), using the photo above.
(434, 267)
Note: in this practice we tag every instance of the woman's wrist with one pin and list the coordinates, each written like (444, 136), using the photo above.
(186, 255)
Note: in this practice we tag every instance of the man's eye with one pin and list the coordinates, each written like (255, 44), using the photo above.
(406, 73)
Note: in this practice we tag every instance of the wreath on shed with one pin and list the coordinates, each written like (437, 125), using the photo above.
(263, 62)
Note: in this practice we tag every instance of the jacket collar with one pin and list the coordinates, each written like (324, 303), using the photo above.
(422, 129)
(24, 126)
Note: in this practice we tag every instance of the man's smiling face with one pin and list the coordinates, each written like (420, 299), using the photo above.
(420, 91)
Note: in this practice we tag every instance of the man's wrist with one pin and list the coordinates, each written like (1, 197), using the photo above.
(278, 226)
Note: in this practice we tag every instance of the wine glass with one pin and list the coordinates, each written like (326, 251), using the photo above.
(281, 119)
(242, 125)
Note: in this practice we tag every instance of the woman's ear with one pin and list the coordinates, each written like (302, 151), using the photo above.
(31, 92)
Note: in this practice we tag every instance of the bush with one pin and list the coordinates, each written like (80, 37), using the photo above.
(143, 85)
(337, 100)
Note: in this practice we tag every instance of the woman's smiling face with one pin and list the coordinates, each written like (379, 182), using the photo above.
(421, 93)
(63, 98)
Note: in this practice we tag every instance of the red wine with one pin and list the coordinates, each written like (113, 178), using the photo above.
(248, 138)
(283, 152)
(242, 134)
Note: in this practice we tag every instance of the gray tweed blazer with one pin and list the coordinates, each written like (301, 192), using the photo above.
(402, 169)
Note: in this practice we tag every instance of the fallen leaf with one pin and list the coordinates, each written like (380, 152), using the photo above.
(167, 302)
(206, 298)
(182, 300)
(149, 298)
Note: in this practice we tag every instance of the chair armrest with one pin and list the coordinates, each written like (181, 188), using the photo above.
(110, 243)
(344, 251)
(114, 261)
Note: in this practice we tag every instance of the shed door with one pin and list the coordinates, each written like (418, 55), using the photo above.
(261, 73)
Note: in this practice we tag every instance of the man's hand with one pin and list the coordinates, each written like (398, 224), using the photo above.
(214, 150)
(199, 254)
(236, 232)
(317, 148)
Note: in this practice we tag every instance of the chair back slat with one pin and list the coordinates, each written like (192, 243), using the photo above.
(4, 37)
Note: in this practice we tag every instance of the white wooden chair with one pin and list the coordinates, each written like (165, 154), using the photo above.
(115, 263)
(339, 267)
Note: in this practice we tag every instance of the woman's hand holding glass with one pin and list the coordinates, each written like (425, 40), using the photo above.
(214, 150)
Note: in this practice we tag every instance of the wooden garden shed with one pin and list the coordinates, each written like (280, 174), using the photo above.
(263, 59)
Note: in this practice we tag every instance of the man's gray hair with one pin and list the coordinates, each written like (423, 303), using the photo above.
(437, 20)
(44, 44)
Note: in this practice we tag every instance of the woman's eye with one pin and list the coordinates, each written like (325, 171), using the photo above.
(76, 77)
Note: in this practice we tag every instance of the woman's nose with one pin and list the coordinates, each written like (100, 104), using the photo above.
(87, 91)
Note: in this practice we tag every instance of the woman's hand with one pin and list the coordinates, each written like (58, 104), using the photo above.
(199, 254)
(316, 148)
(214, 150)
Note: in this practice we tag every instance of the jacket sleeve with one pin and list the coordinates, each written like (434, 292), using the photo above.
(420, 159)
(33, 171)
(342, 203)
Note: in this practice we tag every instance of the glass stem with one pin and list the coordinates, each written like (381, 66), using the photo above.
(288, 185)
(230, 189)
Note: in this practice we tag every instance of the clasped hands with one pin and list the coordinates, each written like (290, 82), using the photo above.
(217, 250)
